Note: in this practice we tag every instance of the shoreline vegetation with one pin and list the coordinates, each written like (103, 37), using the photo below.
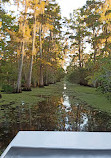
(30, 97)
(85, 94)
(91, 96)
(36, 44)
(54, 69)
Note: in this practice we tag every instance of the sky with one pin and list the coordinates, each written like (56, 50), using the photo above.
(67, 6)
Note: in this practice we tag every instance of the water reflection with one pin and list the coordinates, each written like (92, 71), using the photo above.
(66, 103)
(85, 122)
(63, 113)
(65, 86)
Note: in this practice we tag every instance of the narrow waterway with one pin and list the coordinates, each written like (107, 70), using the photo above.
(56, 113)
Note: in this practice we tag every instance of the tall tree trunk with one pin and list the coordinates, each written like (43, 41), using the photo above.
(94, 44)
(33, 50)
(46, 80)
(79, 51)
(41, 83)
(18, 88)
(79, 54)
(106, 41)
(95, 50)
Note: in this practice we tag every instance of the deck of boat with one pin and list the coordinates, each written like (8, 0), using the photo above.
(57, 153)
(59, 145)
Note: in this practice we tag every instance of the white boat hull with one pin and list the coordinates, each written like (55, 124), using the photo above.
(57, 153)
(59, 145)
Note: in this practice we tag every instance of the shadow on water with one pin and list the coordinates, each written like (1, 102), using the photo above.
(64, 113)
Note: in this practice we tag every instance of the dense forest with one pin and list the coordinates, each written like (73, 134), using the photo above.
(31, 48)
(55, 71)
(90, 26)
(35, 41)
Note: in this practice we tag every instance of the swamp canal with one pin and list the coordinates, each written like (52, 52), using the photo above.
(60, 110)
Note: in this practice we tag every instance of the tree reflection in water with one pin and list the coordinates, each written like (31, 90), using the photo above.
(63, 113)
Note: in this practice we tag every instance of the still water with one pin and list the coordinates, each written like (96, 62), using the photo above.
(56, 113)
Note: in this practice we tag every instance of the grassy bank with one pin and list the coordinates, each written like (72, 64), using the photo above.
(32, 97)
(80, 93)
(90, 96)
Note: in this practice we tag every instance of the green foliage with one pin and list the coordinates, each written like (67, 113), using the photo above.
(90, 96)
(60, 74)
(78, 76)
(101, 77)
(7, 88)
(12, 47)
(8, 72)
(32, 97)
(91, 24)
